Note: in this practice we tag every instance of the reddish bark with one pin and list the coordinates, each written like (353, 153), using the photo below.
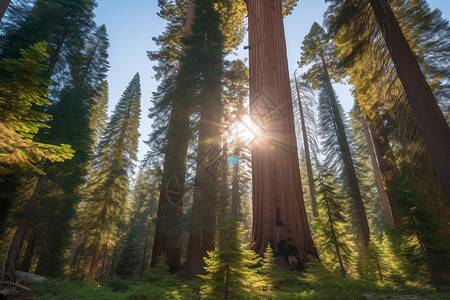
(430, 120)
(386, 162)
(204, 208)
(94, 257)
(279, 214)
(3, 7)
(381, 190)
(172, 188)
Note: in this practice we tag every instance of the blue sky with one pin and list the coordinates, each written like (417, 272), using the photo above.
(131, 27)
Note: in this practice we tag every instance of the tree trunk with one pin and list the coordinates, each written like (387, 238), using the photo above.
(144, 254)
(3, 7)
(16, 243)
(203, 215)
(430, 120)
(349, 168)
(279, 214)
(105, 252)
(28, 256)
(334, 238)
(379, 180)
(312, 189)
(8, 189)
(386, 161)
(235, 192)
(223, 188)
(172, 188)
(94, 257)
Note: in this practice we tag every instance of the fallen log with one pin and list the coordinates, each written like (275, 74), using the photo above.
(16, 285)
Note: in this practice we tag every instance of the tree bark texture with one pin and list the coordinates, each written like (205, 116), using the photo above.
(312, 189)
(430, 120)
(3, 7)
(279, 214)
(204, 209)
(94, 257)
(378, 178)
(170, 202)
(386, 161)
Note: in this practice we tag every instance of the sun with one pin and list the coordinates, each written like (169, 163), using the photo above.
(244, 131)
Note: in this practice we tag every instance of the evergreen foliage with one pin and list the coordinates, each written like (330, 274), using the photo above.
(229, 271)
(112, 169)
(274, 277)
(319, 51)
(419, 233)
(365, 173)
(144, 207)
(73, 114)
(22, 92)
(331, 235)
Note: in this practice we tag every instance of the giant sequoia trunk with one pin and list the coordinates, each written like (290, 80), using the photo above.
(279, 214)
(3, 7)
(430, 120)
(167, 240)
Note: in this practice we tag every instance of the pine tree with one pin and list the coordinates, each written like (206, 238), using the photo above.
(133, 253)
(229, 271)
(428, 30)
(430, 120)
(203, 62)
(60, 189)
(419, 231)
(330, 232)
(277, 218)
(21, 92)
(273, 275)
(62, 24)
(318, 49)
(306, 113)
(98, 116)
(375, 201)
(112, 169)
(174, 97)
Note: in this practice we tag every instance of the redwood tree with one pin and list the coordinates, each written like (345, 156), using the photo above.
(430, 120)
(279, 214)
(170, 203)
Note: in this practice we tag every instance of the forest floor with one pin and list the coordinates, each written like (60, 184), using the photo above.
(170, 288)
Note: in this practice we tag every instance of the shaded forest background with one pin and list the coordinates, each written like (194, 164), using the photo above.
(257, 184)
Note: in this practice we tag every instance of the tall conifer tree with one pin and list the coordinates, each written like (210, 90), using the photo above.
(112, 169)
(318, 49)
(279, 214)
